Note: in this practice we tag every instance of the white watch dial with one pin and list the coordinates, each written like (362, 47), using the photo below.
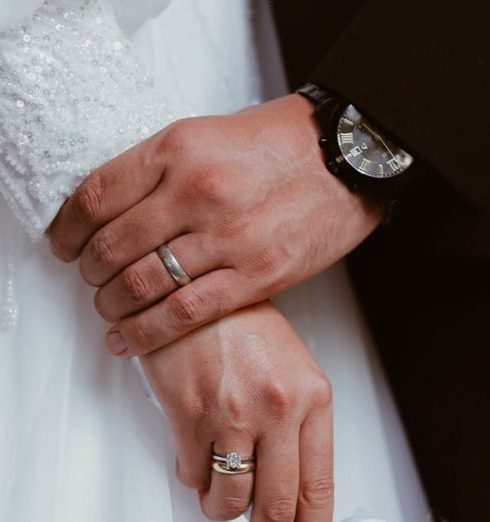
(367, 150)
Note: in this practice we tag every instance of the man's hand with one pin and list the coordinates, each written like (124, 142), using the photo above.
(245, 203)
(246, 383)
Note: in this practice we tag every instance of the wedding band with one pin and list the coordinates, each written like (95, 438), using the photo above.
(221, 467)
(177, 273)
(233, 463)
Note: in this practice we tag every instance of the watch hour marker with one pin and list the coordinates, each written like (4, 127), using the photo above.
(346, 137)
(346, 121)
(364, 165)
(381, 169)
(393, 163)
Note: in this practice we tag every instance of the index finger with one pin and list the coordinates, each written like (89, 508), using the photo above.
(108, 192)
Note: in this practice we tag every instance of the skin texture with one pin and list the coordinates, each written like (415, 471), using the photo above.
(249, 385)
(245, 203)
(248, 208)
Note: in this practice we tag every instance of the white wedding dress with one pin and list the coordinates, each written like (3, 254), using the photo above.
(79, 439)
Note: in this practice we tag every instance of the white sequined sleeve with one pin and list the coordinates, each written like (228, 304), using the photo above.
(72, 96)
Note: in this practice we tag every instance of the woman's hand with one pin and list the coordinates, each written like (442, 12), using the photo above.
(245, 203)
(247, 383)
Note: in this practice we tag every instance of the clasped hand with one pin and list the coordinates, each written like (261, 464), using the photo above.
(248, 384)
(244, 202)
(247, 207)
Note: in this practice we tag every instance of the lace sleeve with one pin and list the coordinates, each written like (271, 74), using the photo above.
(71, 97)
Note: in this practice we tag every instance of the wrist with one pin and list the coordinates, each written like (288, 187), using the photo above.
(357, 151)
(306, 117)
(306, 114)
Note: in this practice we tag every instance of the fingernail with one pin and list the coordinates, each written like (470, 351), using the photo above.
(115, 343)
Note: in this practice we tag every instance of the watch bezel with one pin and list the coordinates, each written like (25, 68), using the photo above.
(329, 109)
(336, 160)
(335, 157)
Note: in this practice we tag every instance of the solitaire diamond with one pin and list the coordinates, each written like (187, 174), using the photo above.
(233, 460)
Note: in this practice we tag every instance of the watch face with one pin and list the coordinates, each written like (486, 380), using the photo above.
(367, 150)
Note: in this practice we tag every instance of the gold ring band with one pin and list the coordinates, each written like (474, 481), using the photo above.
(243, 468)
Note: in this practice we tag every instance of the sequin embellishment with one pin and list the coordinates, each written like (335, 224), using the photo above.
(72, 96)
(8, 303)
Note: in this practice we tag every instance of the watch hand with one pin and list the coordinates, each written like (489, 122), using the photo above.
(378, 137)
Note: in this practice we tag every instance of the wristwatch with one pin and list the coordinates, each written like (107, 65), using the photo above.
(356, 150)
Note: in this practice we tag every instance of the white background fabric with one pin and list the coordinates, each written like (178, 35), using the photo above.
(130, 14)
(78, 439)
(13, 11)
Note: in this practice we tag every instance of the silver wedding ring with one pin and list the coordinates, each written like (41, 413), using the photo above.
(177, 273)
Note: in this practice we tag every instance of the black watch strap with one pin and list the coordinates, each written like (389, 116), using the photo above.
(314, 93)
(324, 101)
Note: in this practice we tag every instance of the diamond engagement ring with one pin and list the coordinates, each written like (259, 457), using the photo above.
(177, 273)
(233, 463)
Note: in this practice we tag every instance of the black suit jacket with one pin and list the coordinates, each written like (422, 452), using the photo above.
(421, 69)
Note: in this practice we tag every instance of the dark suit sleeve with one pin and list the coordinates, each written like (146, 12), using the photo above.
(421, 69)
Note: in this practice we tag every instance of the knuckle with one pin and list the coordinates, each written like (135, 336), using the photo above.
(231, 507)
(215, 303)
(88, 200)
(102, 249)
(135, 285)
(280, 400)
(177, 139)
(187, 308)
(322, 392)
(280, 509)
(317, 493)
(266, 264)
(209, 184)
(149, 155)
